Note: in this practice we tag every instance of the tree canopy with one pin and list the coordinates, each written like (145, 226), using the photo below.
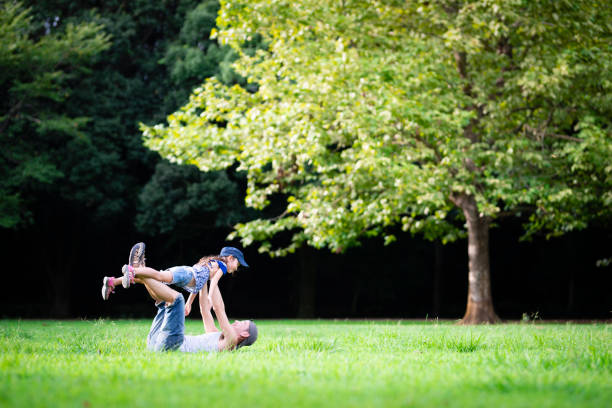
(77, 79)
(370, 114)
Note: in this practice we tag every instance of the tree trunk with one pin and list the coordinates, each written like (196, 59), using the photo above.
(356, 295)
(57, 280)
(307, 282)
(437, 272)
(56, 234)
(570, 251)
(480, 303)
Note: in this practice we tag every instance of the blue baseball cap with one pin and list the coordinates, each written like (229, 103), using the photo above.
(225, 251)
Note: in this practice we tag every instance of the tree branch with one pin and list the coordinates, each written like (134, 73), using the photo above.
(418, 137)
(541, 134)
(10, 114)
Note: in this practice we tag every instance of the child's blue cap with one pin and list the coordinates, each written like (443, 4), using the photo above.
(234, 252)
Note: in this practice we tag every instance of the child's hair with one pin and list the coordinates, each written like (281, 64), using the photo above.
(203, 261)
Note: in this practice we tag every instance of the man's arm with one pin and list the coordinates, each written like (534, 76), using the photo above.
(214, 281)
(207, 318)
(230, 338)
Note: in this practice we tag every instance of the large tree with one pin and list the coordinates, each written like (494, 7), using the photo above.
(440, 116)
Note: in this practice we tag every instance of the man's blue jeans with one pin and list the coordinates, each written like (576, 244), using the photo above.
(168, 328)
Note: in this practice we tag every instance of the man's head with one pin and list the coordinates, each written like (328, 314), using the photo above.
(246, 331)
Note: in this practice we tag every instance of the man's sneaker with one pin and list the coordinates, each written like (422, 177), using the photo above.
(107, 287)
(137, 255)
(128, 276)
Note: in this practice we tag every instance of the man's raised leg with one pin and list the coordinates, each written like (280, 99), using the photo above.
(168, 328)
(159, 291)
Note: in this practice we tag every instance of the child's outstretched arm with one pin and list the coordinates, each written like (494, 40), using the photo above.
(189, 302)
(205, 306)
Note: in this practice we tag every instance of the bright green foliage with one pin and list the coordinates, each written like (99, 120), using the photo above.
(37, 73)
(309, 364)
(195, 56)
(370, 114)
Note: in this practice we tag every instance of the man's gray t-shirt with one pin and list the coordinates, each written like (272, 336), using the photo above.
(203, 342)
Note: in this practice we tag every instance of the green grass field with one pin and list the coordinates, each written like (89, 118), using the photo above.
(309, 363)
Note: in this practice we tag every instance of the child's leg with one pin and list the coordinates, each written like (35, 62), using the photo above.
(146, 272)
(109, 283)
(114, 282)
(108, 286)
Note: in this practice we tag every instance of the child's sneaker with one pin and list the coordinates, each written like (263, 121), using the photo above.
(128, 276)
(107, 287)
(137, 255)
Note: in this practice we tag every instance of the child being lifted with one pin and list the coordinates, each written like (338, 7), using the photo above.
(191, 278)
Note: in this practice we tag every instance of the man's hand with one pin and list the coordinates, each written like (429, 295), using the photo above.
(213, 267)
(187, 309)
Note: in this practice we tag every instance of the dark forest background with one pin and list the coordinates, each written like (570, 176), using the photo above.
(79, 189)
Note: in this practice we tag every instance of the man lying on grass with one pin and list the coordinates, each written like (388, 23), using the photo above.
(168, 328)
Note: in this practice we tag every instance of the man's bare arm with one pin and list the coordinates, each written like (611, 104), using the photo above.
(230, 338)
(207, 318)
